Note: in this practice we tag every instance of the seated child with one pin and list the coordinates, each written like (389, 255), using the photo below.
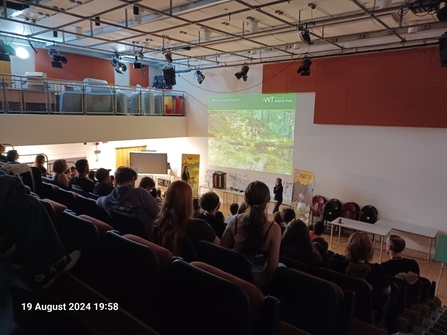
(287, 215)
(315, 235)
(234, 207)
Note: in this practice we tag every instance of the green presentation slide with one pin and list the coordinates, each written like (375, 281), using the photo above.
(252, 131)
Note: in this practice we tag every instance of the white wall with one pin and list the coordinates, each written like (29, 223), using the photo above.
(20, 66)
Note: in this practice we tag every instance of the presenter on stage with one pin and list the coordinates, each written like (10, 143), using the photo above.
(185, 175)
(277, 190)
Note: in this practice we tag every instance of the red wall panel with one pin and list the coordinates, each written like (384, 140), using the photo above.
(396, 88)
(274, 77)
(138, 76)
(77, 68)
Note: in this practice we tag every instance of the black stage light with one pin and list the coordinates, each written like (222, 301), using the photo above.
(55, 33)
(57, 65)
(117, 65)
(242, 73)
(168, 56)
(97, 21)
(304, 69)
(304, 35)
(136, 64)
(200, 76)
(57, 59)
(136, 10)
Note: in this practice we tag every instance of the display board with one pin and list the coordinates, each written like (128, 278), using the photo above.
(149, 162)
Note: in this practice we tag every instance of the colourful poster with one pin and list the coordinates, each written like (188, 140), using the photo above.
(192, 163)
(303, 185)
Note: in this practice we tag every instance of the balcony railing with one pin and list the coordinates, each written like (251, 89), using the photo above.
(38, 95)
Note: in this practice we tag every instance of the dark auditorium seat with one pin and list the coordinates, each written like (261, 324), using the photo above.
(227, 260)
(128, 224)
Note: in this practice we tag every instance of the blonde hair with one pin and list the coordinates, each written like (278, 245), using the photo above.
(359, 252)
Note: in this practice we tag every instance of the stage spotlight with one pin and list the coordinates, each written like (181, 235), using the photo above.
(200, 76)
(136, 10)
(57, 59)
(304, 69)
(168, 56)
(242, 73)
(97, 21)
(136, 64)
(304, 35)
(118, 66)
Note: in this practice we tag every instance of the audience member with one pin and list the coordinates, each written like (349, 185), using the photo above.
(39, 163)
(81, 180)
(148, 184)
(91, 176)
(357, 263)
(210, 204)
(73, 172)
(61, 173)
(242, 208)
(277, 219)
(12, 157)
(234, 207)
(296, 244)
(408, 268)
(197, 208)
(315, 234)
(176, 222)
(125, 197)
(103, 186)
(287, 215)
(253, 235)
(36, 247)
(2, 151)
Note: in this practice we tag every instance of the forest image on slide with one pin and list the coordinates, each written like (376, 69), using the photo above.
(258, 140)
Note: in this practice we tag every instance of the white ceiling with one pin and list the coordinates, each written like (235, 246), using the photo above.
(335, 27)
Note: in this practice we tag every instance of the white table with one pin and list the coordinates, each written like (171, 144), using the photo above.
(428, 232)
(374, 229)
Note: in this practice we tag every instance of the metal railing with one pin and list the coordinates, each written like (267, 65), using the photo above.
(38, 95)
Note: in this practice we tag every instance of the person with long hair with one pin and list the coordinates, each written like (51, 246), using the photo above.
(175, 221)
(252, 234)
(61, 173)
(296, 244)
(39, 163)
(357, 263)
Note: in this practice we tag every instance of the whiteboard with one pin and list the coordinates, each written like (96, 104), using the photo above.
(149, 162)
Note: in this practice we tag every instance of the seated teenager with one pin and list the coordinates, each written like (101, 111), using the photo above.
(210, 204)
(36, 248)
(397, 263)
(176, 221)
(61, 173)
(148, 184)
(125, 197)
(12, 157)
(253, 235)
(81, 180)
(103, 186)
(39, 163)
(315, 235)
(234, 207)
(296, 244)
(357, 263)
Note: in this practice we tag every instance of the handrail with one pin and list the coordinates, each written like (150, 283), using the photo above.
(38, 95)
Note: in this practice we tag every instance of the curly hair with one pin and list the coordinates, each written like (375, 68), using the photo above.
(174, 217)
(251, 235)
(359, 253)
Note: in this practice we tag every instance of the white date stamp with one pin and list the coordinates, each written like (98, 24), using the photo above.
(71, 306)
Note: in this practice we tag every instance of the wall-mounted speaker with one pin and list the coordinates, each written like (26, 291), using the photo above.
(443, 49)
(169, 74)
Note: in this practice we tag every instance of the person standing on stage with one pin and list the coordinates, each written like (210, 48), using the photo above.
(277, 190)
(185, 174)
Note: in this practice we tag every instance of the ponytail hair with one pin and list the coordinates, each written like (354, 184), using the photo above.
(359, 253)
(250, 237)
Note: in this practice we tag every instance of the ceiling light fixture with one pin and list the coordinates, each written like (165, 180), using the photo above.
(242, 73)
(200, 76)
(304, 69)
(57, 59)
(22, 53)
(136, 64)
(304, 35)
(119, 67)
(168, 56)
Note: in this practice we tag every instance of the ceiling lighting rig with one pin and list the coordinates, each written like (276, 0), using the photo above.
(57, 59)
(242, 73)
(118, 66)
(199, 76)
(304, 34)
(304, 69)
(168, 56)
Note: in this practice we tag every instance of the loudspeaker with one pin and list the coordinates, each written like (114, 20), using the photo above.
(443, 49)
(169, 74)
(137, 65)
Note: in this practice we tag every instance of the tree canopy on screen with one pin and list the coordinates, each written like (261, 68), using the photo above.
(259, 140)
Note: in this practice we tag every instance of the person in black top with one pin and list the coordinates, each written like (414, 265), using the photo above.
(210, 204)
(185, 174)
(398, 264)
(277, 190)
(81, 180)
(103, 187)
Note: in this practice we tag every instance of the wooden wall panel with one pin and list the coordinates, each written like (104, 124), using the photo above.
(274, 77)
(77, 68)
(138, 76)
(396, 88)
